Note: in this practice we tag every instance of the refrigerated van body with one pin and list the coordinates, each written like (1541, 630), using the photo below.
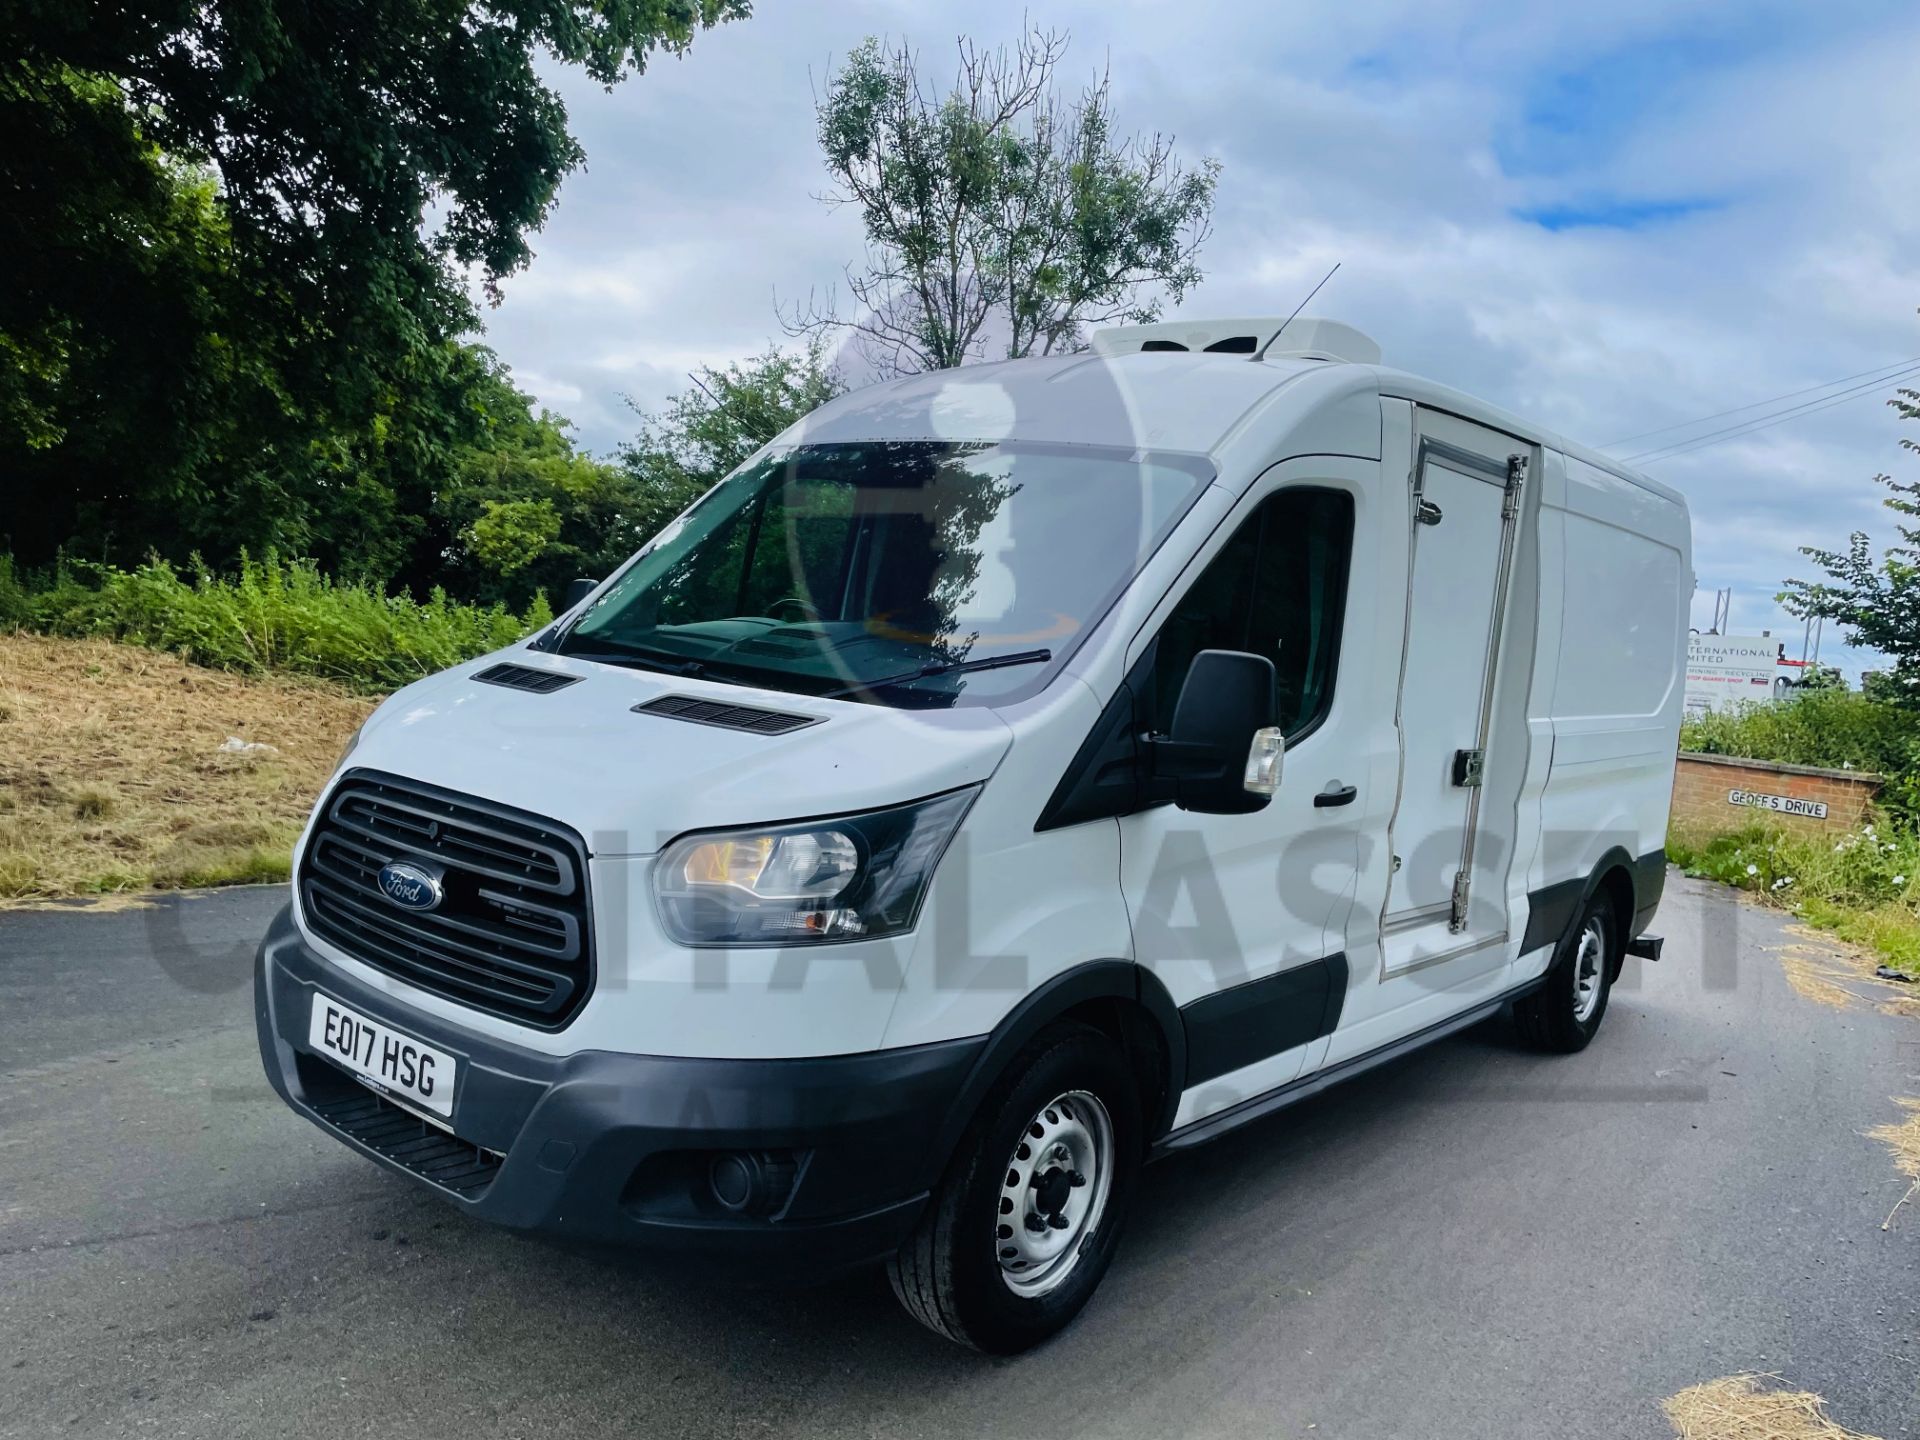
(1173, 728)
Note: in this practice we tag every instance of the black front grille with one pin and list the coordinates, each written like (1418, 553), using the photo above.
(725, 715)
(390, 1130)
(511, 936)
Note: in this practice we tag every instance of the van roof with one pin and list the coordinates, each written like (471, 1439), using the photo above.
(1152, 400)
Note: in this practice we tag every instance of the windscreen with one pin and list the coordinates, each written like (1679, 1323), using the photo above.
(909, 573)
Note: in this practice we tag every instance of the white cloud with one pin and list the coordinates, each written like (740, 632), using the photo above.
(551, 393)
(1403, 139)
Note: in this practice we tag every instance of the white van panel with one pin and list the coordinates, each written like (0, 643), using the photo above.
(1010, 906)
(1546, 560)
(1626, 586)
(1620, 644)
(1339, 424)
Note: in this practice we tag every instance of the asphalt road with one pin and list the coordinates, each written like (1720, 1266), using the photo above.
(1474, 1242)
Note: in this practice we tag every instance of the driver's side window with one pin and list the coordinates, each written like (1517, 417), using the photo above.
(1278, 588)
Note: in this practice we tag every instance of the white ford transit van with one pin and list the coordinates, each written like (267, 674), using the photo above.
(1007, 777)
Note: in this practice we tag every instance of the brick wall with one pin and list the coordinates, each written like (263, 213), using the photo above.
(1701, 784)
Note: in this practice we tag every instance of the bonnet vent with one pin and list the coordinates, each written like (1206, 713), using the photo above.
(522, 677)
(727, 717)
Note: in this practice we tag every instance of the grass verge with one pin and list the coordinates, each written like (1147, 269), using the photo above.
(271, 616)
(113, 776)
(1863, 886)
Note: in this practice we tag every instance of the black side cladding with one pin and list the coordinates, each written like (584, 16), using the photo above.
(1649, 884)
(1550, 913)
(1234, 1028)
(1551, 909)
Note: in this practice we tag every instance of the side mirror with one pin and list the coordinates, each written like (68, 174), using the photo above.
(1223, 751)
(578, 590)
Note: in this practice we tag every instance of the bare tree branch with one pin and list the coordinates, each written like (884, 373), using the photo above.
(995, 205)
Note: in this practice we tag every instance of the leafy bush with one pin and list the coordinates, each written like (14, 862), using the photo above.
(14, 609)
(1838, 728)
(273, 615)
(1866, 867)
(1864, 885)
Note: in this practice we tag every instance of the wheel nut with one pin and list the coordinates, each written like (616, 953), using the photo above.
(1058, 1222)
(1076, 1179)
(1035, 1224)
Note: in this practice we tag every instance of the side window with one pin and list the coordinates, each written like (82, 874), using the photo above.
(1278, 589)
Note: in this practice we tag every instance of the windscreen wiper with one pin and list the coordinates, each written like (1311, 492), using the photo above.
(658, 661)
(943, 667)
(667, 662)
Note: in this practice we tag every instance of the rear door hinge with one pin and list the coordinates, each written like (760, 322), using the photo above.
(1462, 882)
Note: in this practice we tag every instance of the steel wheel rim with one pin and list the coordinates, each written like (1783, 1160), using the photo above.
(1589, 970)
(1054, 1193)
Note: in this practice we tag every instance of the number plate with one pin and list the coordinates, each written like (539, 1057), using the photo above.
(391, 1062)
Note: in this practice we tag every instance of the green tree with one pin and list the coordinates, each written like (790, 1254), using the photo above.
(508, 536)
(1820, 677)
(705, 432)
(235, 232)
(333, 126)
(127, 374)
(1000, 213)
(521, 509)
(1876, 603)
(515, 506)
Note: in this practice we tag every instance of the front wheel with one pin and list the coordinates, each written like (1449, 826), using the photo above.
(1565, 1012)
(1027, 1219)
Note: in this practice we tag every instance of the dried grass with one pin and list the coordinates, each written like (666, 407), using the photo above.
(1825, 971)
(1814, 980)
(112, 778)
(1902, 1137)
(1743, 1407)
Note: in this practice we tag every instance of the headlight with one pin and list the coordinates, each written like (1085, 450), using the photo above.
(854, 877)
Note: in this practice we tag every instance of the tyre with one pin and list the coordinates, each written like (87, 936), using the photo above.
(1028, 1215)
(1563, 1014)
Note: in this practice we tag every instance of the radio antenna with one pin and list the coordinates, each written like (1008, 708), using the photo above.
(1296, 311)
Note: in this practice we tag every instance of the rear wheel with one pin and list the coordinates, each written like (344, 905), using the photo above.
(1027, 1219)
(1565, 1012)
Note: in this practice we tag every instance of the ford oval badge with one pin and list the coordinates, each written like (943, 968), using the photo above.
(410, 886)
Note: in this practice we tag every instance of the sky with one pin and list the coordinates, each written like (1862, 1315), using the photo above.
(1606, 219)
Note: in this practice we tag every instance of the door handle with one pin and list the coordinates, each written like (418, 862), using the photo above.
(1334, 794)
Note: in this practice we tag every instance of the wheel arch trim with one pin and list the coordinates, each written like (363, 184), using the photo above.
(1553, 910)
(1122, 980)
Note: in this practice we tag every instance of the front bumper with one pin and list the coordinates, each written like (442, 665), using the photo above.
(605, 1148)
